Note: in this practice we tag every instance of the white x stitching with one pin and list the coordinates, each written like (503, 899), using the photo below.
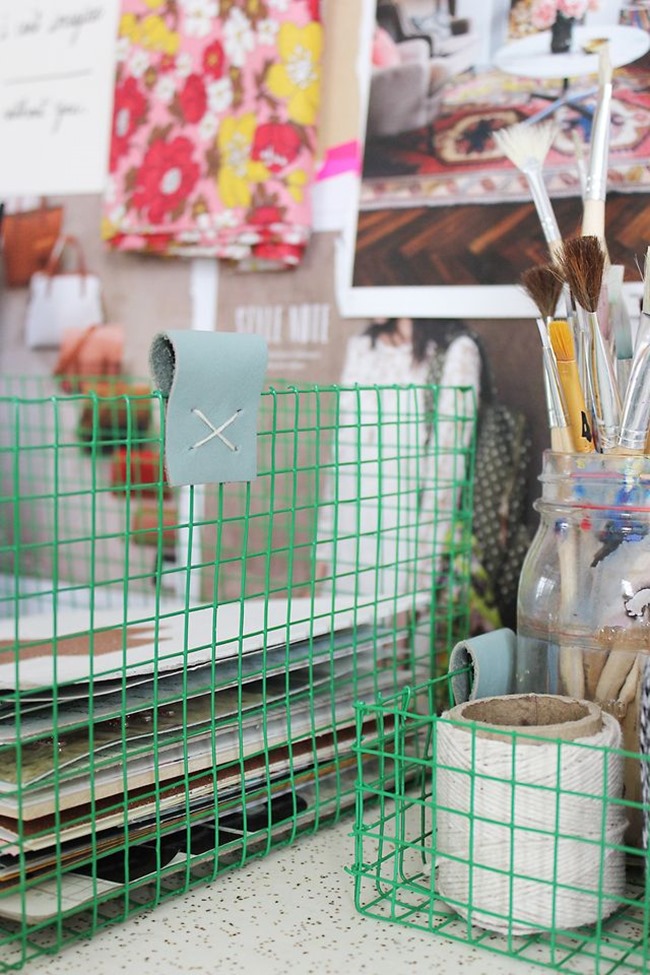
(216, 431)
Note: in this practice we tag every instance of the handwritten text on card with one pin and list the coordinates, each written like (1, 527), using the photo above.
(56, 77)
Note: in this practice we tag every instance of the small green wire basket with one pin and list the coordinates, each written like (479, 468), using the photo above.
(179, 666)
(501, 850)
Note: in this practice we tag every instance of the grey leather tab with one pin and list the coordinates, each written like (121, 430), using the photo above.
(213, 382)
(490, 659)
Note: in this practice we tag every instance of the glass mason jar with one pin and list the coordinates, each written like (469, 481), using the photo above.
(583, 611)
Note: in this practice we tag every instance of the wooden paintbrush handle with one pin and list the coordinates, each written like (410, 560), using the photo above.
(561, 440)
(593, 219)
(572, 673)
(614, 674)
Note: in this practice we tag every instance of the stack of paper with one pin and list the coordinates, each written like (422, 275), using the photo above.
(126, 747)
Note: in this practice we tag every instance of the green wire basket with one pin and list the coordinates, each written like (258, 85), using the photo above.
(476, 841)
(178, 667)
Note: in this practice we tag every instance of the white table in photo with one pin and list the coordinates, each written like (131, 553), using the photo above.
(531, 57)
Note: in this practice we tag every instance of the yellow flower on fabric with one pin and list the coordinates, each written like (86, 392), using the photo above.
(157, 36)
(130, 27)
(296, 181)
(254, 8)
(297, 77)
(154, 4)
(238, 171)
(108, 229)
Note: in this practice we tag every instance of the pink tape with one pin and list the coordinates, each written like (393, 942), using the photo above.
(343, 158)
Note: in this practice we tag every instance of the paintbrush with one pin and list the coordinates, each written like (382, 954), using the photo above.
(527, 146)
(635, 419)
(581, 163)
(556, 408)
(561, 339)
(544, 287)
(580, 332)
(621, 326)
(583, 264)
(642, 337)
(593, 213)
(571, 660)
(578, 328)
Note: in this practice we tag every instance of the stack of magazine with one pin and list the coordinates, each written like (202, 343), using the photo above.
(133, 744)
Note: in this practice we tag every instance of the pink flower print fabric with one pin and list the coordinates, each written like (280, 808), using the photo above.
(214, 129)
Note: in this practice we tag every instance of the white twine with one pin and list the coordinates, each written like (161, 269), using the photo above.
(216, 431)
(526, 831)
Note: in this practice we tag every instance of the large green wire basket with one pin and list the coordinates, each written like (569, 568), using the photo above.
(178, 667)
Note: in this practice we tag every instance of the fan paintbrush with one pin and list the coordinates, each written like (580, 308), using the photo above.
(527, 146)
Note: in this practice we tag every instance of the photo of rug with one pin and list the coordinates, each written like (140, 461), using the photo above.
(467, 166)
(443, 218)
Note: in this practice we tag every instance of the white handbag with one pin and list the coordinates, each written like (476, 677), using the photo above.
(59, 299)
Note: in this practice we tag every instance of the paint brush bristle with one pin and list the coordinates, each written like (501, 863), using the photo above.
(527, 146)
(561, 337)
(543, 286)
(524, 144)
(582, 263)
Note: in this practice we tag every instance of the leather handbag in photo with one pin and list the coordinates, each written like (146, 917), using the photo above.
(89, 353)
(28, 238)
(61, 299)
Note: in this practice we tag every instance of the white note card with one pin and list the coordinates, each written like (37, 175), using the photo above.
(57, 67)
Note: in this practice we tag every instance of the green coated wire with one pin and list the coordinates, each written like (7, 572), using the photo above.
(67, 540)
(387, 888)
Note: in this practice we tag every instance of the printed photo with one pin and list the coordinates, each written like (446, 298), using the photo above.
(442, 208)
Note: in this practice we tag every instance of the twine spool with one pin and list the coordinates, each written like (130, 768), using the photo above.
(526, 828)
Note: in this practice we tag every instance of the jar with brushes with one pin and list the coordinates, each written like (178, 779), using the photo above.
(583, 611)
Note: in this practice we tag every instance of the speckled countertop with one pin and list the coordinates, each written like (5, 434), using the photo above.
(290, 912)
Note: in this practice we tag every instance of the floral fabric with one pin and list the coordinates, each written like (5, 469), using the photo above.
(213, 134)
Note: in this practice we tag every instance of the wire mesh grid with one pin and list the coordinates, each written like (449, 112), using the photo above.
(495, 849)
(179, 666)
